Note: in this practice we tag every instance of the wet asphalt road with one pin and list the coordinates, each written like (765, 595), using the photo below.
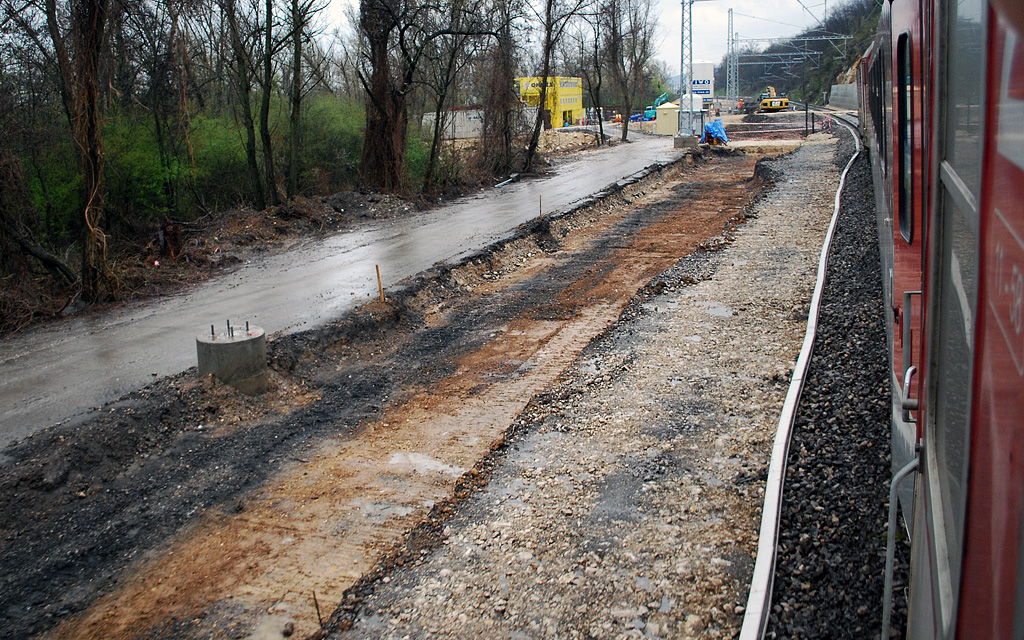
(59, 372)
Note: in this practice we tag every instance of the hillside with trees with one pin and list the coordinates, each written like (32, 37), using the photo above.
(824, 62)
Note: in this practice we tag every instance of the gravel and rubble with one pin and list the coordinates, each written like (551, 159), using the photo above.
(831, 550)
(625, 500)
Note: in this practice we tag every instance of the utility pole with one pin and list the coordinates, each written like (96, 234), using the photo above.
(686, 70)
(732, 72)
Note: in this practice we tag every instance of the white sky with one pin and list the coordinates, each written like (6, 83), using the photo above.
(710, 24)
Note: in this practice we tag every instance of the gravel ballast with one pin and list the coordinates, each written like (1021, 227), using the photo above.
(831, 551)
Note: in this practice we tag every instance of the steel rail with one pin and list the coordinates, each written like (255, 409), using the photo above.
(755, 618)
(845, 115)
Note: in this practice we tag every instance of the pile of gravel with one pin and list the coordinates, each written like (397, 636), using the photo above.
(831, 551)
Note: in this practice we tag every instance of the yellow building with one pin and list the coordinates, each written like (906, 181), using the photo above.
(563, 101)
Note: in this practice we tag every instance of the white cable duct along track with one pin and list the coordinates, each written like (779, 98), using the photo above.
(755, 618)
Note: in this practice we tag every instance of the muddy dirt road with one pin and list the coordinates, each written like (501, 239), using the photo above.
(185, 510)
(59, 372)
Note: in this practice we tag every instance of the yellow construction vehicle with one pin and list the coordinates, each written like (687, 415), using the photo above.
(771, 101)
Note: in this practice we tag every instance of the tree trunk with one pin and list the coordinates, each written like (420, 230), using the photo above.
(94, 250)
(500, 107)
(594, 81)
(439, 123)
(295, 134)
(549, 26)
(244, 89)
(80, 95)
(383, 156)
(268, 79)
(249, 124)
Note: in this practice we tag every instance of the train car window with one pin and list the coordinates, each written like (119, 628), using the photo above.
(955, 273)
(905, 143)
(965, 75)
(877, 90)
(950, 403)
(883, 108)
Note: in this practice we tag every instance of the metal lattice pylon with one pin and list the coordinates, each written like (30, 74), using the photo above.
(686, 71)
(732, 72)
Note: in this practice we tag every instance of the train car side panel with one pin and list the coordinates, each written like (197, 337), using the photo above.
(907, 135)
(904, 235)
(996, 480)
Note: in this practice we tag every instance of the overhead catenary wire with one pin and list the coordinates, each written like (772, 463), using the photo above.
(785, 24)
(809, 12)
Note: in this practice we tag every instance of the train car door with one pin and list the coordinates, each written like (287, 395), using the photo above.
(951, 299)
(905, 222)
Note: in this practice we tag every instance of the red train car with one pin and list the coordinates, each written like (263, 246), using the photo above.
(943, 113)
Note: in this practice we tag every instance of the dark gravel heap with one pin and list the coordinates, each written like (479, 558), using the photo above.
(829, 575)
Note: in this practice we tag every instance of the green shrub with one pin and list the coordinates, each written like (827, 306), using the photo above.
(332, 140)
(140, 186)
(417, 153)
(221, 175)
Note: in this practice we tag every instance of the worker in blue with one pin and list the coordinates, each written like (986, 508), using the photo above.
(714, 133)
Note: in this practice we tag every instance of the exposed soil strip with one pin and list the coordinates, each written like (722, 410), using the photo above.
(332, 513)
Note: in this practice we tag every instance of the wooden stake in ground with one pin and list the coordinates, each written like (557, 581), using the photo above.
(380, 285)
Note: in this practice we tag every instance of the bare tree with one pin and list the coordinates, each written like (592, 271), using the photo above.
(445, 58)
(267, 87)
(302, 12)
(629, 45)
(209, 47)
(77, 45)
(397, 35)
(583, 56)
(554, 16)
(383, 157)
(340, 74)
(501, 104)
(242, 68)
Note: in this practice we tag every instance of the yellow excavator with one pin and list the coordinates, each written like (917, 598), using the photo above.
(771, 101)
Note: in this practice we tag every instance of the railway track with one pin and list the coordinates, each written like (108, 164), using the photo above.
(820, 564)
(759, 599)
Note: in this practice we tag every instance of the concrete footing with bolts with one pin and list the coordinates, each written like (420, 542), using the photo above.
(237, 357)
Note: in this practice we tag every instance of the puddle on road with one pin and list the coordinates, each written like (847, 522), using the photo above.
(718, 309)
(661, 306)
(381, 511)
(590, 365)
(424, 464)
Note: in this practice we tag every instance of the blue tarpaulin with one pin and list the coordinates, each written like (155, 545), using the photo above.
(716, 130)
